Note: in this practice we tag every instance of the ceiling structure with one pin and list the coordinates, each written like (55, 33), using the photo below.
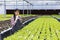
(45, 4)
(36, 4)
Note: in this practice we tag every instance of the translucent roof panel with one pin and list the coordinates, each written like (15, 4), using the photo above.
(36, 4)
(1, 0)
(11, 0)
(43, 0)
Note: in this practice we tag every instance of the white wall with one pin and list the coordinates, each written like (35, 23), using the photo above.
(2, 9)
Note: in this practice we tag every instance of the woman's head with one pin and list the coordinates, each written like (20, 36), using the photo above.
(16, 12)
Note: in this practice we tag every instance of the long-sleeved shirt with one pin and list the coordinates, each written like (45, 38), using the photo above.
(14, 21)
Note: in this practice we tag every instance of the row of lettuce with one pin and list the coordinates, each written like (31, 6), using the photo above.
(4, 17)
(43, 28)
(57, 16)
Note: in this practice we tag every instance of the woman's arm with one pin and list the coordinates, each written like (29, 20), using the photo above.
(12, 21)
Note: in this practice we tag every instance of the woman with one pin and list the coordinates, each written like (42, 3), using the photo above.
(16, 21)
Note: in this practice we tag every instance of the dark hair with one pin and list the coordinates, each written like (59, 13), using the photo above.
(16, 10)
(14, 14)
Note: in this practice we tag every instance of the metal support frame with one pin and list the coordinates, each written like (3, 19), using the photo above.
(23, 7)
(30, 9)
(5, 7)
(16, 4)
(16, 7)
(28, 5)
(27, 9)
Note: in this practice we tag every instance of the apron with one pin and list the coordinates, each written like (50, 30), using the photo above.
(17, 26)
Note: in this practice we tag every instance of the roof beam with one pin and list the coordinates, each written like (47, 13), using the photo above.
(28, 2)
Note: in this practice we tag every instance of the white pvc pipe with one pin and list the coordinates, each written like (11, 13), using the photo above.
(11, 27)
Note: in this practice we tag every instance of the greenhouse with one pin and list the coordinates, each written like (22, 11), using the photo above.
(29, 19)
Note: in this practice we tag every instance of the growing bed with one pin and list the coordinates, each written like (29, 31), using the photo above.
(56, 17)
(43, 28)
(5, 26)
